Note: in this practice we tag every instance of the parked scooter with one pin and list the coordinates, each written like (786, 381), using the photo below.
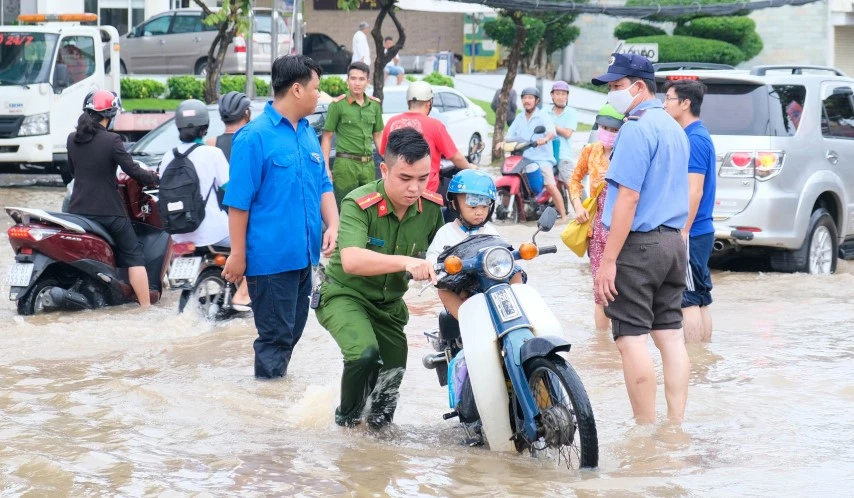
(521, 194)
(506, 382)
(65, 261)
(197, 272)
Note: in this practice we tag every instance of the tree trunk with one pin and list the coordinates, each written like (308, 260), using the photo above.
(509, 79)
(386, 8)
(216, 56)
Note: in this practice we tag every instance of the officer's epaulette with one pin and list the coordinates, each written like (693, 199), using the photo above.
(433, 197)
(369, 200)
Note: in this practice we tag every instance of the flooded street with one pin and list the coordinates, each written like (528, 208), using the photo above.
(125, 402)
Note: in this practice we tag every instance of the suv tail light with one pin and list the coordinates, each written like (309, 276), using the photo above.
(762, 165)
(239, 44)
(30, 233)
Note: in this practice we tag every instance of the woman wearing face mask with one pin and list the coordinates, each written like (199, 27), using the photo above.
(594, 162)
(93, 153)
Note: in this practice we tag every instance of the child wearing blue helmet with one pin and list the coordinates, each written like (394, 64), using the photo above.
(471, 196)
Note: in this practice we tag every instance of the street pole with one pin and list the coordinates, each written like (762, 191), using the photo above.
(274, 31)
(297, 27)
(250, 59)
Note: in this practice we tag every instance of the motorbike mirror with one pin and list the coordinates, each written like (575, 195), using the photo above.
(547, 219)
(539, 129)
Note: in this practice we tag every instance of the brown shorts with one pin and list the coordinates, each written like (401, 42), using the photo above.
(650, 280)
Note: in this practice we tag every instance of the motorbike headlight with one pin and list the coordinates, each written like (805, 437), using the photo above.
(37, 124)
(498, 263)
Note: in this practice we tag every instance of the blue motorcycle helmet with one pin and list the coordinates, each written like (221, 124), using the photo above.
(480, 191)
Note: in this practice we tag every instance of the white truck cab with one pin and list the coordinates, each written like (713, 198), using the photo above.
(48, 64)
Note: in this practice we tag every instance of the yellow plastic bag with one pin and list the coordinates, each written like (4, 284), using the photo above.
(576, 235)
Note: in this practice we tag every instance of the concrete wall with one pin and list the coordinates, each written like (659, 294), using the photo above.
(790, 35)
(425, 31)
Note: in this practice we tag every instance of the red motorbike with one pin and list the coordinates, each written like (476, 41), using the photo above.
(65, 261)
(521, 194)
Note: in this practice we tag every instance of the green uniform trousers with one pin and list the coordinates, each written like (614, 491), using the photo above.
(374, 347)
(348, 174)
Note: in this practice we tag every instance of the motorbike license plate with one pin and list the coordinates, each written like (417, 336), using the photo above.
(19, 274)
(185, 268)
(506, 305)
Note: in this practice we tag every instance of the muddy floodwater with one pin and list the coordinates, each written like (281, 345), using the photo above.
(130, 403)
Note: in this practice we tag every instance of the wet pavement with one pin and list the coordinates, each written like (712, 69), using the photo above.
(125, 402)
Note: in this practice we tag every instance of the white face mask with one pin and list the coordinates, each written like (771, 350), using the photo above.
(621, 100)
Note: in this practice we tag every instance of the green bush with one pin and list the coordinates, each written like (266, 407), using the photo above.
(679, 19)
(737, 30)
(411, 78)
(238, 84)
(688, 49)
(626, 30)
(438, 79)
(333, 85)
(186, 87)
(751, 46)
(590, 86)
(141, 89)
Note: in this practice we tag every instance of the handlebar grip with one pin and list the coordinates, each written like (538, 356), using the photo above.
(548, 250)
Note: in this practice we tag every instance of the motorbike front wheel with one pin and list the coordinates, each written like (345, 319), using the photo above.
(209, 295)
(566, 427)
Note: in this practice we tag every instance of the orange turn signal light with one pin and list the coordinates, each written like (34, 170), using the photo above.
(453, 265)
(219, 259)
(34, 18)
(528, 251)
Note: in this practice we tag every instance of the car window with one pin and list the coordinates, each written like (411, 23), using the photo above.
(790, 100)
(326, 43)
(838, 114)
(452, 101)
(438, 102)
(157, 26)
(394, 102)
(78, 54)
(187, 23)
(264, 24)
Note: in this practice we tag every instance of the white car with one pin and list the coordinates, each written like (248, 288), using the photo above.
(465, 121)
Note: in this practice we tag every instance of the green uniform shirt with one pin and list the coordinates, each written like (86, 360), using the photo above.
(368, 221)
(354, 125)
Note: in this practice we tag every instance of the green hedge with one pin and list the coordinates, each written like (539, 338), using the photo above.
(680, 19)
(141, 89)
(688, 49)
(737, 30)
(186, 87)
(238, 84)
(626, 30)
(333, 85)
(438, 79)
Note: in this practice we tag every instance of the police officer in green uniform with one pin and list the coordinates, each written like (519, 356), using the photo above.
(357, 121)
(385, 229)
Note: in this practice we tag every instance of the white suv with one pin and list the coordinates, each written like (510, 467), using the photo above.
(784, 137)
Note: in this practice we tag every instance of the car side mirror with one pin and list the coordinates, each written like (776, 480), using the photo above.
(539, 129)
(547, 219)
(60, 78)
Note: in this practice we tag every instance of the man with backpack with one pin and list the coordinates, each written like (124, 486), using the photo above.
(192, 177)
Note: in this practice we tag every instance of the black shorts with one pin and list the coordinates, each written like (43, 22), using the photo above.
(650, 281)
(699, 279)
(128, 250)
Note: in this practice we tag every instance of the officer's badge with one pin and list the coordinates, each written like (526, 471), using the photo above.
(315, 157)
(612, 60)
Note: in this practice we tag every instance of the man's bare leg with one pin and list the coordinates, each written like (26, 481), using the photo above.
(558, 200)
(639, 375)
(677, 369)
(692, 322)
(707, 323)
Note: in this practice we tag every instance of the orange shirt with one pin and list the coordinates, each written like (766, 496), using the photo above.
(593, 162)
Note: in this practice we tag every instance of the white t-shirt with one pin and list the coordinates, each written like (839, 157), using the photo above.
(212, 168)
(361, 50)
(452, 234)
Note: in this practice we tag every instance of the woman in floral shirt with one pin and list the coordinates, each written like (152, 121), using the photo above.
(594, 161)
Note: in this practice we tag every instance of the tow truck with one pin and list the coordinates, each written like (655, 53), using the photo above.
(48, 63)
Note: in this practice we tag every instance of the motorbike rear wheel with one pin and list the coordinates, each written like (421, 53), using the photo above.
(567, 429)
(208, 295)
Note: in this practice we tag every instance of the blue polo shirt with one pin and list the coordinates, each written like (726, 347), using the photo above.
(278, 174)
(651, 157)
(522, 129)
(567, 119)
(702, 161)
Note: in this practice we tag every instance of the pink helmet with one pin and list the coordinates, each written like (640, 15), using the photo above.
(560, 86)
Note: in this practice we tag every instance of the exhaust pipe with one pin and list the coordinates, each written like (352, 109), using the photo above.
(59, 298)
(721, 246)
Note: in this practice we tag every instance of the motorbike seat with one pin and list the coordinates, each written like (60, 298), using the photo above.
(449, 327)
(90, 226)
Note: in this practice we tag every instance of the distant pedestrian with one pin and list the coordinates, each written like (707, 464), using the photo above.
(642, 274)
(361, 49)
(683, 100)
(393, 68)
(565, 119)
(512, 107)
(356, 120)
(277, 194)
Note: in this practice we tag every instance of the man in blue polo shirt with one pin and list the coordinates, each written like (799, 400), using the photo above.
(683, 100)
(278, 193)
(642, 274)
(542, 155)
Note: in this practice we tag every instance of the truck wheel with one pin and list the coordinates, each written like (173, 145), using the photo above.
(819, 253)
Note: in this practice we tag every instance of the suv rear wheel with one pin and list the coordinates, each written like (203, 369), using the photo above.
(818, 255)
